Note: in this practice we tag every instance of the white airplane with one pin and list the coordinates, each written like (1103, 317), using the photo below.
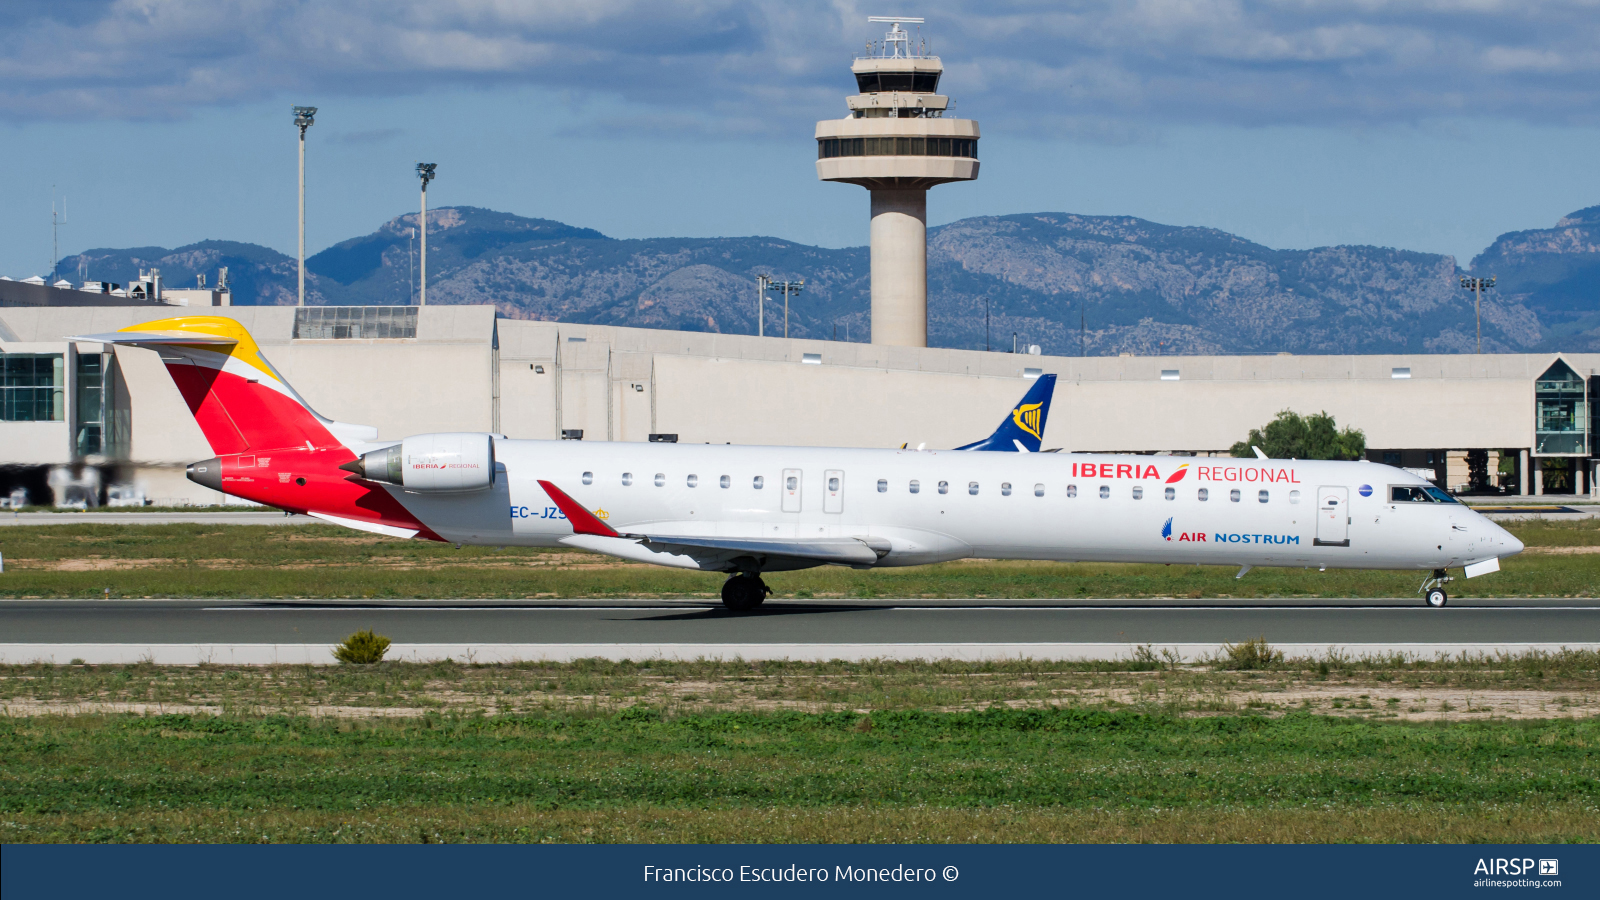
(748, 510)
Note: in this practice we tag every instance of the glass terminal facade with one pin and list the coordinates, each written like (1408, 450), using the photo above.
(90, 409)
(1561, 413)
(357, 323)
(33, 387)
(965, 148)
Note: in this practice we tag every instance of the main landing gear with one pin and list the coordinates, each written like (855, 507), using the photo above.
(743, 592)
(1432, 589)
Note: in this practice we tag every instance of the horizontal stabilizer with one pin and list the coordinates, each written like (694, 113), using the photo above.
(154, 338)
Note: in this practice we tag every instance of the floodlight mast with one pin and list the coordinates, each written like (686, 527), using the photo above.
(304, 117)
(788, 287)
(425, 172)
(762, 281)
(1477, 286)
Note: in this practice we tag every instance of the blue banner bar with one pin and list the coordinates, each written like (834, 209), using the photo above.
(1185, 872)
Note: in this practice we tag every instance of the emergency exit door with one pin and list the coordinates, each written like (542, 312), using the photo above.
(791, 490)
(833, 491)
(1333, 517)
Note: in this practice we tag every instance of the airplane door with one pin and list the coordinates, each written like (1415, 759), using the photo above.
(1333, 517)
(791, 490)
(833, 491)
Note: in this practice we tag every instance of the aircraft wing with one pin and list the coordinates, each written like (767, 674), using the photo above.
(716, 553)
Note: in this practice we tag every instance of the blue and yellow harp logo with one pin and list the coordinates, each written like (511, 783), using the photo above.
(1027, 417)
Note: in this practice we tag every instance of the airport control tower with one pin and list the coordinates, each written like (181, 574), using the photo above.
(897, 142)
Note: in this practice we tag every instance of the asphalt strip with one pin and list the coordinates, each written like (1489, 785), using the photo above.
(478, 653)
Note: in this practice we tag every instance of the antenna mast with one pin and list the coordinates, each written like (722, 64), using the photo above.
(55, 237)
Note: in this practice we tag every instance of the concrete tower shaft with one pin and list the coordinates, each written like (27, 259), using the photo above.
(897, 142)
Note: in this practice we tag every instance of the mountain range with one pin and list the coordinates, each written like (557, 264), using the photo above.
(1070, 283)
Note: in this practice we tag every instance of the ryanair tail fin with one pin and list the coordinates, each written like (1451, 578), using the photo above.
(238, 399)
(1023, 427)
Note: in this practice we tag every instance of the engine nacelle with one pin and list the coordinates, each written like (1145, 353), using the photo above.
(462, 461)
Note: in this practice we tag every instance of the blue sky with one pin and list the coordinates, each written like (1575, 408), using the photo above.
(1430, 125)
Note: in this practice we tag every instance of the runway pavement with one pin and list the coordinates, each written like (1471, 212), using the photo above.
(247, 517)
(277, 631)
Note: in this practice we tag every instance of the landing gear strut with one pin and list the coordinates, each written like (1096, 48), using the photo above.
(1432, 589)
(743, 592)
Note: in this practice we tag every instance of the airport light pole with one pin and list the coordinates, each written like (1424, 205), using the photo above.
(1477, 286)
(788, 287)
(762, 283)
(304, 117)
(425, 172)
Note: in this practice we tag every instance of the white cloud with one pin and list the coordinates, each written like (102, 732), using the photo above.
(1091, 67)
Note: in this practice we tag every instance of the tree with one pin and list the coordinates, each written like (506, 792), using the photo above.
(1291, 436)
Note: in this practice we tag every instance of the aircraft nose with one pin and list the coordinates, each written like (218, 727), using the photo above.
(1509, 544)
(1512, 545)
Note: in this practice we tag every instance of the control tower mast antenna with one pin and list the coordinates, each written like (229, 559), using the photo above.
(897, 142)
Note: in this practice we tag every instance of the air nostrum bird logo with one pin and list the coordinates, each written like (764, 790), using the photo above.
(1027, 418)
(1166, 530)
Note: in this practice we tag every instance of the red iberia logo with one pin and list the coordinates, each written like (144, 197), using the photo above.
(1177, 476)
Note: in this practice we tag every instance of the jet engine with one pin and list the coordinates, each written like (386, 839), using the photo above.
(440, 463)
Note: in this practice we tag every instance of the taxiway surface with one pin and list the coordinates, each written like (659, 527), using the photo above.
(1323, 622)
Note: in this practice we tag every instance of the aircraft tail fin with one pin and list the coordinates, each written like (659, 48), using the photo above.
(1023, 427)
(238, 399)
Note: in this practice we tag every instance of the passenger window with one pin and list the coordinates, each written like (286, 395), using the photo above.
(1203, 494)
(725, 481)
(944, 487)
(661, 479)
(833, 484)
(916, 486)
(758, 482)
(694, 480)
(791, 483)
(1294, 496)
(1264, 496)
(627, 478)
(1072, 490)
(972, 488)
(1405, 493)
(1233, 495)
(588, 478)
(1172, 493)
(1038, 490)
(1005, 488)
(883, 486)
(1105, 491)
(1138, 493)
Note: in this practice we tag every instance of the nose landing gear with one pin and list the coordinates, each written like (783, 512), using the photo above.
(743, 592)
(1432, 589)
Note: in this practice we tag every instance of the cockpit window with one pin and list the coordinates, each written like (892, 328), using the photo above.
(1410, 493)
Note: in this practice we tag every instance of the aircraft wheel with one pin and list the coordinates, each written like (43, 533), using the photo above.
(1437, 598)
(742, 593)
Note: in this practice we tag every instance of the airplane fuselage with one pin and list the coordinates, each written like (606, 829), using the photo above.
(933, 506)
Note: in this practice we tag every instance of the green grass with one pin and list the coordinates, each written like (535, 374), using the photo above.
(904, 774)
(728, 751)
(324, 561)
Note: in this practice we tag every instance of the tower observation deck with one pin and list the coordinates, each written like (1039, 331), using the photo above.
(897, 142)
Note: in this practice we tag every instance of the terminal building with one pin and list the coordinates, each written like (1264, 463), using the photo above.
(86, 424)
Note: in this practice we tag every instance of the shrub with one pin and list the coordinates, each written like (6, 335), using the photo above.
(1255, 653)
(362, 648)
